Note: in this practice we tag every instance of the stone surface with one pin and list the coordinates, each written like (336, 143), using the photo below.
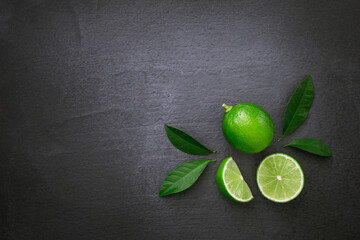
(86, 86)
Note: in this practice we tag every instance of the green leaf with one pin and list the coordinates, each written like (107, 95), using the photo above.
(183, 176)
(311, 145)
(298, 107)
(185, 142)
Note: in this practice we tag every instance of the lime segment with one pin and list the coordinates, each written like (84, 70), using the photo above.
(280, 178)
(231, 183)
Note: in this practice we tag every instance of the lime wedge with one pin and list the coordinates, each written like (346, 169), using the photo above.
(280, 178)
(231, 183)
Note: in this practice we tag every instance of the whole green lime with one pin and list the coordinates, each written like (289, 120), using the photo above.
(247, 127)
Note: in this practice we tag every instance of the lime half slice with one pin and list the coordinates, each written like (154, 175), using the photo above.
(280, 178)
(231, 183)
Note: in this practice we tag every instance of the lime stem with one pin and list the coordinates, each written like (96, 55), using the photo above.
(281, 138)
(227, 108)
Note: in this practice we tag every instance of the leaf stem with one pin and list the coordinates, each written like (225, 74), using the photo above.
(227, 108)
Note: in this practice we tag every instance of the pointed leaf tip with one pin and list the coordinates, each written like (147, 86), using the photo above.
(298, 106)
(184, 142)
(183, 176)
(312, 146)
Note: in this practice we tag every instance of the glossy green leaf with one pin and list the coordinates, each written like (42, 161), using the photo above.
(185, 142)
(183, 176)
(298, 107)
(311, 145)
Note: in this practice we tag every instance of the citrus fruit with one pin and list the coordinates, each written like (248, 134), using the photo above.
(247, 127)
(231, 183)
(280, 178)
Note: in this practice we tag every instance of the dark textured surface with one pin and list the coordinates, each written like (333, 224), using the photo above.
(86, 86)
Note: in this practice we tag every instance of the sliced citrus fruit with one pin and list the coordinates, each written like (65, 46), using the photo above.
(231, 183)
(280, 178)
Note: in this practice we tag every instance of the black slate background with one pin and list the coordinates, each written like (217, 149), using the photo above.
(86, 86)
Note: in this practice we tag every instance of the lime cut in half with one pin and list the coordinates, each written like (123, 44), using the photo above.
(280, 178)
(231, 183)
